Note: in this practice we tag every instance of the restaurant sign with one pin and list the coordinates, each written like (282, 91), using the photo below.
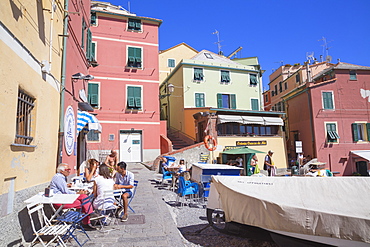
(251, 143)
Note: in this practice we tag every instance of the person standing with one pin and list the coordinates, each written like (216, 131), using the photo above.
(111, 161)
(240, 161)
(124, 180)
(269, 164)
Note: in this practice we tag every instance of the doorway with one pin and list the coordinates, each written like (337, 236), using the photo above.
(130, 148)
(361, 167)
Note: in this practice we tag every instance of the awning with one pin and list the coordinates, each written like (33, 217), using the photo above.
(229, 119)
(362, 153)
(253, 120)
(242, 150)
(87, 122)
(273, 121)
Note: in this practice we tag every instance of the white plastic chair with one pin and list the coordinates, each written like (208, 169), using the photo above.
(36, 211)
(109, 212)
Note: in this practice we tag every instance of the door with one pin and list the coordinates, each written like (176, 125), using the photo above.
(362, 168)
(130, 147)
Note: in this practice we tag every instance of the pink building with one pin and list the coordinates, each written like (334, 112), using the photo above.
(125, 92)
(76, 61)
(331, 116)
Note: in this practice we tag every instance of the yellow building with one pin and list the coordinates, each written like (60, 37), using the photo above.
(31, 53)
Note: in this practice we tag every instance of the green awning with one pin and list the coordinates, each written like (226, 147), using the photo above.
(242, 150)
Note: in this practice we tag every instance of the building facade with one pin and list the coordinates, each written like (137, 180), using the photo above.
(31, 54)
(330, 115)
(124, 93)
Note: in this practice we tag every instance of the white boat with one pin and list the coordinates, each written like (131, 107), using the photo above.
(293, 211)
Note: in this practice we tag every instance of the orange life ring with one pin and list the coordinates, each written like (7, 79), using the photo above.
(210, 140)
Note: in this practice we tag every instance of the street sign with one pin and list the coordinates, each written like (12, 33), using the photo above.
(298, 147)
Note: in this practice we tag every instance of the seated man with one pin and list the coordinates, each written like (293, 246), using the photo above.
(124, 180)
(59, 186)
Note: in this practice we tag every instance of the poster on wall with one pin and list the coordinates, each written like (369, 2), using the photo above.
(69, 130)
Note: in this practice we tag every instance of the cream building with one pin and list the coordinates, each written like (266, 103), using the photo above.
(30, 71)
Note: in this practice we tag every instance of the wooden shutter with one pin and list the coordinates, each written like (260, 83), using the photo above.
(93, 94)
(328, 100)
(130, 97)
(197, 100)
(89, 45)
(201, 100)
(255, 106)
(219, 100)
(137, 95)
(233, 101)
(93, 48)
(354, 132)
(93, 18)
(253, 79)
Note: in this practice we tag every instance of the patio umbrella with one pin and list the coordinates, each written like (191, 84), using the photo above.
(242, 150)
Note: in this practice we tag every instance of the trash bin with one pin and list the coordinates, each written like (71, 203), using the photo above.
(294, 170)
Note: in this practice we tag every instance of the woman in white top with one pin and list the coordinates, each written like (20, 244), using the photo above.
(102, 183)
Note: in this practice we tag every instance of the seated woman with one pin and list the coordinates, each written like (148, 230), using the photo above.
(91, 170)
(102, 183)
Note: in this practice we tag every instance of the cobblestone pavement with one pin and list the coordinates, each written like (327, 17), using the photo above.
(165, 224)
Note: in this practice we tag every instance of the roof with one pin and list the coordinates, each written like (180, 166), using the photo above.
(202, 56)
(105, 7)
(173, 47)
(341, 65)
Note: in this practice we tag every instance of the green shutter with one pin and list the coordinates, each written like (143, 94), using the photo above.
(219, 100)
(83, 34)
(93, 18)
(197, 100)
(233, 101)
(134, 97)
(255, 106)
(89, 45)
(93, 48)
(93, 94)
(138, 25)
(354, 132)
(328, 100)
(137, 95)
(131, 23)
(201, 99)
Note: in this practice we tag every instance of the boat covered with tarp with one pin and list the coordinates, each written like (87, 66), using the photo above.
(328, 210)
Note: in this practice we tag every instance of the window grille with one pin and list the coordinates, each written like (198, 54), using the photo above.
(24, 118)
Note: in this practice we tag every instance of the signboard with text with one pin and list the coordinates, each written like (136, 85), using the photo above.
(251, 143)
(298, 147)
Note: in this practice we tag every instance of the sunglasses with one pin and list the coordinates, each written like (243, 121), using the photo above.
(68, 170)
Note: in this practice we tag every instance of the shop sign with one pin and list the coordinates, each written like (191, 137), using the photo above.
(69, 130)
(251, 143)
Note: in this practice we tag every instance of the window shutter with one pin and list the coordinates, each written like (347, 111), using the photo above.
(138, 25)
(93, 18)
(201, 100)
(93, 48)
(255, 106)
(93, 94)
(197, 100)
(137, 95)
(368, 131)
(131, 23)
(233, 101)
(354, 132)
(253, 79)
(83, 34)
(219, 100)
(328, 100)
(89, 45)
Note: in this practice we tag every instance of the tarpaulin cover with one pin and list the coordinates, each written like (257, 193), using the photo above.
(336, 207)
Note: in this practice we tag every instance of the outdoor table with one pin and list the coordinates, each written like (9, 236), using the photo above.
(173, 170)
(82, 186)
(55, 199)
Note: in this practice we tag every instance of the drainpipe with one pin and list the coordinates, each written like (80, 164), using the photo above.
(311, 122)
(51, 34)
(63, 78)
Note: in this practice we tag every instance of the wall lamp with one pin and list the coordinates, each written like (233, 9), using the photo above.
(80, 76)
(170, 88)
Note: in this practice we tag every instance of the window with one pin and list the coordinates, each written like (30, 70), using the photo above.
(83, 34)
(266, 98)
(253, 79)
(93, 135)
(134, 57)
(285, 86)
(93, 20)
(134, 97)
(226, 101)
(227, 129)
(198, 74)
(331, 132)
(208, 55)
(25, 107)
(276, 92)
(272, 93)
(352, 75)
(297, 78)
(171, 63)
(93, 94)
(361, 132)
(327, 99)
(225, 76)
(199, 100)
(254, 103)
(111, 137)
(134, 24)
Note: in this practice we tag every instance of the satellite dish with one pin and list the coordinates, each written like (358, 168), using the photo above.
(328, 58)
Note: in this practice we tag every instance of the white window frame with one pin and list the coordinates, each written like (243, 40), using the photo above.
(142, 57)
(332, 98)
(363, 130)
(136, 31)
(326, 132)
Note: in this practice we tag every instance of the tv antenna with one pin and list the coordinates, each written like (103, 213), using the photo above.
(325, 49)
(281, 62)
(310, 56)
(218, 42)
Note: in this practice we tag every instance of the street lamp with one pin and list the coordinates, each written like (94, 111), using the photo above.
(170, 88)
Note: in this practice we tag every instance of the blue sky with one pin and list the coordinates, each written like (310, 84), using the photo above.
(275, 31)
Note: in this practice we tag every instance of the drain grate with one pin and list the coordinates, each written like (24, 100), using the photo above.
(134, 219)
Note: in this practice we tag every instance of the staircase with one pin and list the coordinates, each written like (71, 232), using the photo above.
(177, 143)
